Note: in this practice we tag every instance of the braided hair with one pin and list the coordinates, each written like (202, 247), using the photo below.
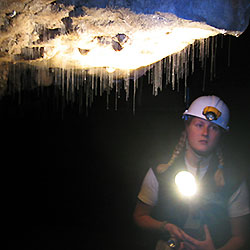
(218, 176)
(178, 149)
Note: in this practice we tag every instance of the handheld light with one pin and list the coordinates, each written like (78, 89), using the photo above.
(187, 186)
(173, 243)
(186, 183)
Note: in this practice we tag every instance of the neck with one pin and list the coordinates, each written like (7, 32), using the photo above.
(195, 159)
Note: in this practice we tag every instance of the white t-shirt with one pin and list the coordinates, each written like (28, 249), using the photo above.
(238, 204)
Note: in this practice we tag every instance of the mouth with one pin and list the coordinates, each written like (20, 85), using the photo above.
(204, 142)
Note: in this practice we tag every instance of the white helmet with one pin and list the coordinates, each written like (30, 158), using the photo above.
(210, 108)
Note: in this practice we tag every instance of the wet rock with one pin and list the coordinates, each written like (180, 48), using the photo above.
(31, 53)
(83, 51)
(122, 38)
(44, 77)
(224, 14)
(116, 46)
(107, 40)
(26, 23)
(67, 21)
(77, 12)
(47, 34)
(103, 40)
(4, 70)
(11, 14)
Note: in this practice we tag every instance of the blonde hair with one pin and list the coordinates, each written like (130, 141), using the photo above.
(218, 176)
(178, 148)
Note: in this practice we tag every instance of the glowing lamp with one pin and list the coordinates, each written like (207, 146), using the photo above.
(186, 183)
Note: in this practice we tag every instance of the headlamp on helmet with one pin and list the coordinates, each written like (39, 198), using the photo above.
(210, 108)
(211, 113)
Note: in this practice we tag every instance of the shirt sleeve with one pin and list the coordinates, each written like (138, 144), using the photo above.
(149, 190)
(238, 204)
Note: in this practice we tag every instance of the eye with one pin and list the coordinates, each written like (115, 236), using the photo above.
(199, 125)
(215, 128)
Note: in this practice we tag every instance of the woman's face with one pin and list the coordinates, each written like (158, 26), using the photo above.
(202, 135)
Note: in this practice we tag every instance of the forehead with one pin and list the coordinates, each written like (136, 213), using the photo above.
(197, 119)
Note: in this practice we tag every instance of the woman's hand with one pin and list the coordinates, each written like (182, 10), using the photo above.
(175, 231)
(193, 244)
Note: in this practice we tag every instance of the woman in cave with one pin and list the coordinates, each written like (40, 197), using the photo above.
(215, 217)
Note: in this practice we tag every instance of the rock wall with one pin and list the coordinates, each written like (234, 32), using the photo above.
(224, 14)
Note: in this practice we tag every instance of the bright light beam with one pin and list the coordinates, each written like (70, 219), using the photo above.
(186, 183)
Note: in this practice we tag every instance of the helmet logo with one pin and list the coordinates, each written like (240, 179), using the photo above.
(211, 113)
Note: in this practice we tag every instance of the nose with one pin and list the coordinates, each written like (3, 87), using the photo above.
(205, 131)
